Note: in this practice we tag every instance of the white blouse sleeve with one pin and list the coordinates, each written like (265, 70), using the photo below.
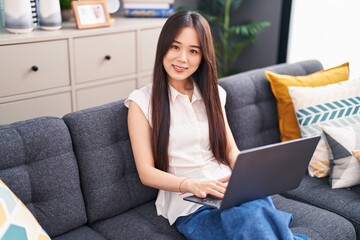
(222, 94)
(142, 98)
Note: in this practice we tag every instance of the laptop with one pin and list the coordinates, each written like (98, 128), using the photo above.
(264, 171)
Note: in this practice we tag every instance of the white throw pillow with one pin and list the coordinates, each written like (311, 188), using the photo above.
(344, 145)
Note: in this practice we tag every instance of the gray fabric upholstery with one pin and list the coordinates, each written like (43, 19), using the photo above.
(38, 164)
(315, 222)
(138, 223)
(82, 233)
(109, 179)
(251, 106)
(344, 201)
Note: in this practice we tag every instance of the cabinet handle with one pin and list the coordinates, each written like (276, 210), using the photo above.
(107, 57)
(34, 68)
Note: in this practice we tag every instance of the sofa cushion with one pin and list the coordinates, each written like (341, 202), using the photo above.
(314, 222)
(289, 128)
(138, 223)
(345, 167)
(109, 179)
(344, 201)
(39, 166)
(16, 221)
(335, 104)
(249, 98)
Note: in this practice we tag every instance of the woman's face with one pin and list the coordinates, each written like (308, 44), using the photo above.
(184, 55)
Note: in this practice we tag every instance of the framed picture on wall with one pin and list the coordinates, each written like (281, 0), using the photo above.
(90, 14)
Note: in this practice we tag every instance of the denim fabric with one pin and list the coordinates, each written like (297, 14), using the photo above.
(257, 219)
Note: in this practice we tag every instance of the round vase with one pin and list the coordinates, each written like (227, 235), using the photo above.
(49, 14)
(18, 16)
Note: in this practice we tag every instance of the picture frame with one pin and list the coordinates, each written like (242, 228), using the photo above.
(90, 14)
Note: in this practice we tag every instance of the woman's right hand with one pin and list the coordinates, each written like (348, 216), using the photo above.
(201, 187)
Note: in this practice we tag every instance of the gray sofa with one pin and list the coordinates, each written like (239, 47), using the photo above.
(77, 176)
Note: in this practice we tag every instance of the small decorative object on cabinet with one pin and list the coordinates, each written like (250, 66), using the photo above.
(113, 6)
(18, 17)
(66, 10)
(50, 14)
(35, 12)
(90, 14)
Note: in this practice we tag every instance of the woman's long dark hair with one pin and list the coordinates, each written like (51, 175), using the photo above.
(205, 77)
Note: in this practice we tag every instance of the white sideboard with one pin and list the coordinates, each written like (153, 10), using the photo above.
(51, 73)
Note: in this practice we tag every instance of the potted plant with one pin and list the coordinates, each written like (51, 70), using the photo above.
(66, 10)
(229, 39)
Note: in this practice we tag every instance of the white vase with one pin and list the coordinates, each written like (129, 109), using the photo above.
(18, 16)
(49, 14)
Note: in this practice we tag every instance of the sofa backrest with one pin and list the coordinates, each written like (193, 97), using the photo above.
(38, 164)
(251, 106)
(109, 179)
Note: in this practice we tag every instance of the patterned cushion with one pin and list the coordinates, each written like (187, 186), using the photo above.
(332, 105)
(16, 221)
(288, 126)
(343, 143)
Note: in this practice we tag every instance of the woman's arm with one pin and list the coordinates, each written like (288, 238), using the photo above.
(233, 150)
(140, 137)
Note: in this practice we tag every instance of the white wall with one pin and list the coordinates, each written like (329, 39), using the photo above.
(327, 30)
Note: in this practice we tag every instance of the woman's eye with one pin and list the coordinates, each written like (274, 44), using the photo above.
(174, 47)
(193, 51)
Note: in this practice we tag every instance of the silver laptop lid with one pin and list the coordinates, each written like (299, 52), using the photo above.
(269, 170)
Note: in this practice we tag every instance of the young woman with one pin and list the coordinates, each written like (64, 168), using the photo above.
(182, 142)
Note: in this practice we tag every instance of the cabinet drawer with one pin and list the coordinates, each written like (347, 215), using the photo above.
(54, 105)
(94, 96)
(104, 56)
(148, 42)
(17, 61)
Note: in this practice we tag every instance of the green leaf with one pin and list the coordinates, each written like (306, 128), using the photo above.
(249, 29)
(65, 4)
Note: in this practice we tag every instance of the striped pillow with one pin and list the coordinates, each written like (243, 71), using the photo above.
(335, 105)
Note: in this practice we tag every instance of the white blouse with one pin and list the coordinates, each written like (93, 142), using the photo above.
(190, 154)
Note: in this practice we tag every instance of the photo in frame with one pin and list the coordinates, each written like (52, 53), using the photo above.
(91, 14)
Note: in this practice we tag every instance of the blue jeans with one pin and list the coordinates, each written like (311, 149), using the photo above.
(257, 219)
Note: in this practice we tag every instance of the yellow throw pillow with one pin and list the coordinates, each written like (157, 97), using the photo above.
(16, 221)
(288, 125)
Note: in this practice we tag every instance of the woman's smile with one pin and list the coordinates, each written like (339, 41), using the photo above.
(179, 69)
